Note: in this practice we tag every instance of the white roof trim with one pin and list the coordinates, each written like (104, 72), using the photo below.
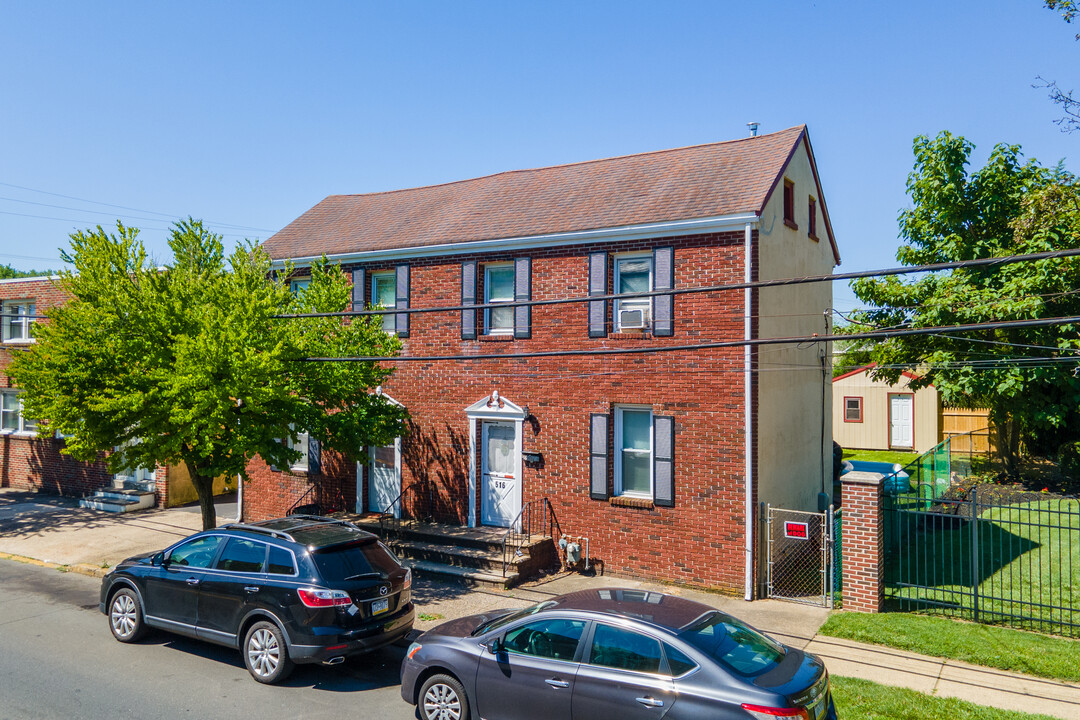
(613, 234)
(495, 407)
(36, 278)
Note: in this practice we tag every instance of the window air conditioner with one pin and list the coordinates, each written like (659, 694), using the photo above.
(632, 319)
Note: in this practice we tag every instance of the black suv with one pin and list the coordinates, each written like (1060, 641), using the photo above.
(300, 589)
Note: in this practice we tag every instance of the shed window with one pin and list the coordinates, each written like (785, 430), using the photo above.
(853, 409)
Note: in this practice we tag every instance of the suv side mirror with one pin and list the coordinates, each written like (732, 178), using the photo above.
(158, 560)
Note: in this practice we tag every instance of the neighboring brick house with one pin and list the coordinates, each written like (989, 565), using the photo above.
(643, 454)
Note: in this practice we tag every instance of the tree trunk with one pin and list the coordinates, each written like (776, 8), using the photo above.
(204, 488)
(1008, 446)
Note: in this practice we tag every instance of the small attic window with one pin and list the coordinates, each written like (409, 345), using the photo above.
(811, 224)
(789, 204)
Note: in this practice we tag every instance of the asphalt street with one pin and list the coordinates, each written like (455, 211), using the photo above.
(58, 660)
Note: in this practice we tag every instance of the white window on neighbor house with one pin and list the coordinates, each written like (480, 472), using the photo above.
(300, 444)
(11, 414)
(633, 451)
(853, 409)
(19, 320)
(384, 295)
(633, 274)
(498, 288)
(299, 285)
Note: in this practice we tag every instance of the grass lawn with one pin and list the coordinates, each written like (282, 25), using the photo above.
(985, 645)
(864, 700)
(889, 456)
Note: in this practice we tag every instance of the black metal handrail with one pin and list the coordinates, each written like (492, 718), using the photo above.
(318, 509)
(536, 515)
(390, 522)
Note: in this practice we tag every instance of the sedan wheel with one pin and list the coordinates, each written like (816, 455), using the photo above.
(443, 698)
(265, 654)
(125, 616)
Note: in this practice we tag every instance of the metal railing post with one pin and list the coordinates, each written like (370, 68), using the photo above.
(975, 551)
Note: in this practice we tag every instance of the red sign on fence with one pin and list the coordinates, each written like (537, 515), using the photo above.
(797, 530)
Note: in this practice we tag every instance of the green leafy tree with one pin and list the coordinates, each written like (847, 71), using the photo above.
(1027, 377)
(185, 364)
(7, 272)
(1070, 121)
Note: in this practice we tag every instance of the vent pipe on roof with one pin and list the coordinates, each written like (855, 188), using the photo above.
(753, 128)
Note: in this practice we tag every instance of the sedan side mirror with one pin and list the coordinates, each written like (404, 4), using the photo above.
(496, 646)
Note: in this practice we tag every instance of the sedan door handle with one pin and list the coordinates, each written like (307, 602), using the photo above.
(556, 683)
(193, 581)
(251, 588)
(649, 702)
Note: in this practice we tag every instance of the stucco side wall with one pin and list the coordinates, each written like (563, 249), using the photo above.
(794, 450)
(872, 433)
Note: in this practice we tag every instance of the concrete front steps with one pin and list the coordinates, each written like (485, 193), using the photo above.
(119, 501)
(473, 556)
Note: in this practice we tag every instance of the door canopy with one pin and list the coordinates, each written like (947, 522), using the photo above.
(495, 407)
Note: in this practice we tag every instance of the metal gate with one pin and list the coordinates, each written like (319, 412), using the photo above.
(799, 554)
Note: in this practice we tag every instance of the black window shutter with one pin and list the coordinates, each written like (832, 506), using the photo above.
(663, 279)
(598, 286)
(358, 302)
(401, 281)
(314, 450)
(664, 460)
(598, 457)
(523, 293)
(468, 297)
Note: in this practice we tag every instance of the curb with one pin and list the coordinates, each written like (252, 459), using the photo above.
(79, 568)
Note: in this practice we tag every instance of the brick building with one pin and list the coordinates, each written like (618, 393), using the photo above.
(658, 457)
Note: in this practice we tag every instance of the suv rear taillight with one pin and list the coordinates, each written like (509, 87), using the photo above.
(408, 579)
(761, 712)
(316, 598)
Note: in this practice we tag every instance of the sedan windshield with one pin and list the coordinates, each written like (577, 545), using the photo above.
(735, 645)
(498, 622)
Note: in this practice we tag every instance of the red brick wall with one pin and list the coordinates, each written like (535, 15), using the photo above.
(700, 540)
(35, 463)
(864, 542)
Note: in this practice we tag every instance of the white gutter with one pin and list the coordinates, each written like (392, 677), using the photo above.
(748, 410)
(239, 499)
(718, 223)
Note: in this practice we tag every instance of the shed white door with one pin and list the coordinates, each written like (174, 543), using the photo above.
(384, 485)
(500, 495)
(901, 421)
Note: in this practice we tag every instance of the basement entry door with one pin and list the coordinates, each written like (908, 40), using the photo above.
(500, 494)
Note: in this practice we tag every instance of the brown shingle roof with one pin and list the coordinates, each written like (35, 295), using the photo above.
(685, 183)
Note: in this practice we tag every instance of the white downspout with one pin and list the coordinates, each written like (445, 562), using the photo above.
(239, 499)
(748, 470)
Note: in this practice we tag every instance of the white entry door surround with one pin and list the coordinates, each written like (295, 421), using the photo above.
(497, 415)
(902, 421)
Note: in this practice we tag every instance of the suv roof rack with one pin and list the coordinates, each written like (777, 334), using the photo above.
(321, 520)
(259, 529)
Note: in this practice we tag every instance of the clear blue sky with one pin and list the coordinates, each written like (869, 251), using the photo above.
(247, 114)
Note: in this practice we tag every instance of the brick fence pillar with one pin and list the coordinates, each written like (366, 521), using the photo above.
(864, 541)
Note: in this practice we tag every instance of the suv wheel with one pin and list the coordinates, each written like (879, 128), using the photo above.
(125, 616)
(265, 654)
(443, 698)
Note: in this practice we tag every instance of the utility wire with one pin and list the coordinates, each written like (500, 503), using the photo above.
(783, 282)
(753, 342)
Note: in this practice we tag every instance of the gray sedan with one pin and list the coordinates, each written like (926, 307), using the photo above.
(611, 653)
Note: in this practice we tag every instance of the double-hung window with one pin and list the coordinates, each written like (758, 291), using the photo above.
(301, 445)
(634, 451)
(498, 288)
(11, 414)
(853, 409)
(633, 274)
(19, 320)
(384, 296)
(299, 285)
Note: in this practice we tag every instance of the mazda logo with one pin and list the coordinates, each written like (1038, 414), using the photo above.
(383, 589)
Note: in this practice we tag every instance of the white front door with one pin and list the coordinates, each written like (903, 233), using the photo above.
(901, 421)
(500, 486)
(384, 478)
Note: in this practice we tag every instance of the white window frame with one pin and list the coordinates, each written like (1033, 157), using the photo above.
(645, 304)
(619, 410)
(26, 317)
(300, 284)
(21, 428)
(389, 322)
(488, 267)
(301, 445)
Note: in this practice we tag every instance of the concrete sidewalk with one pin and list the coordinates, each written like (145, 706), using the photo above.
(55, 531)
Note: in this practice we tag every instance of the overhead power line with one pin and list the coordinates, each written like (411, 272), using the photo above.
(782, 282)
(753, 342)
